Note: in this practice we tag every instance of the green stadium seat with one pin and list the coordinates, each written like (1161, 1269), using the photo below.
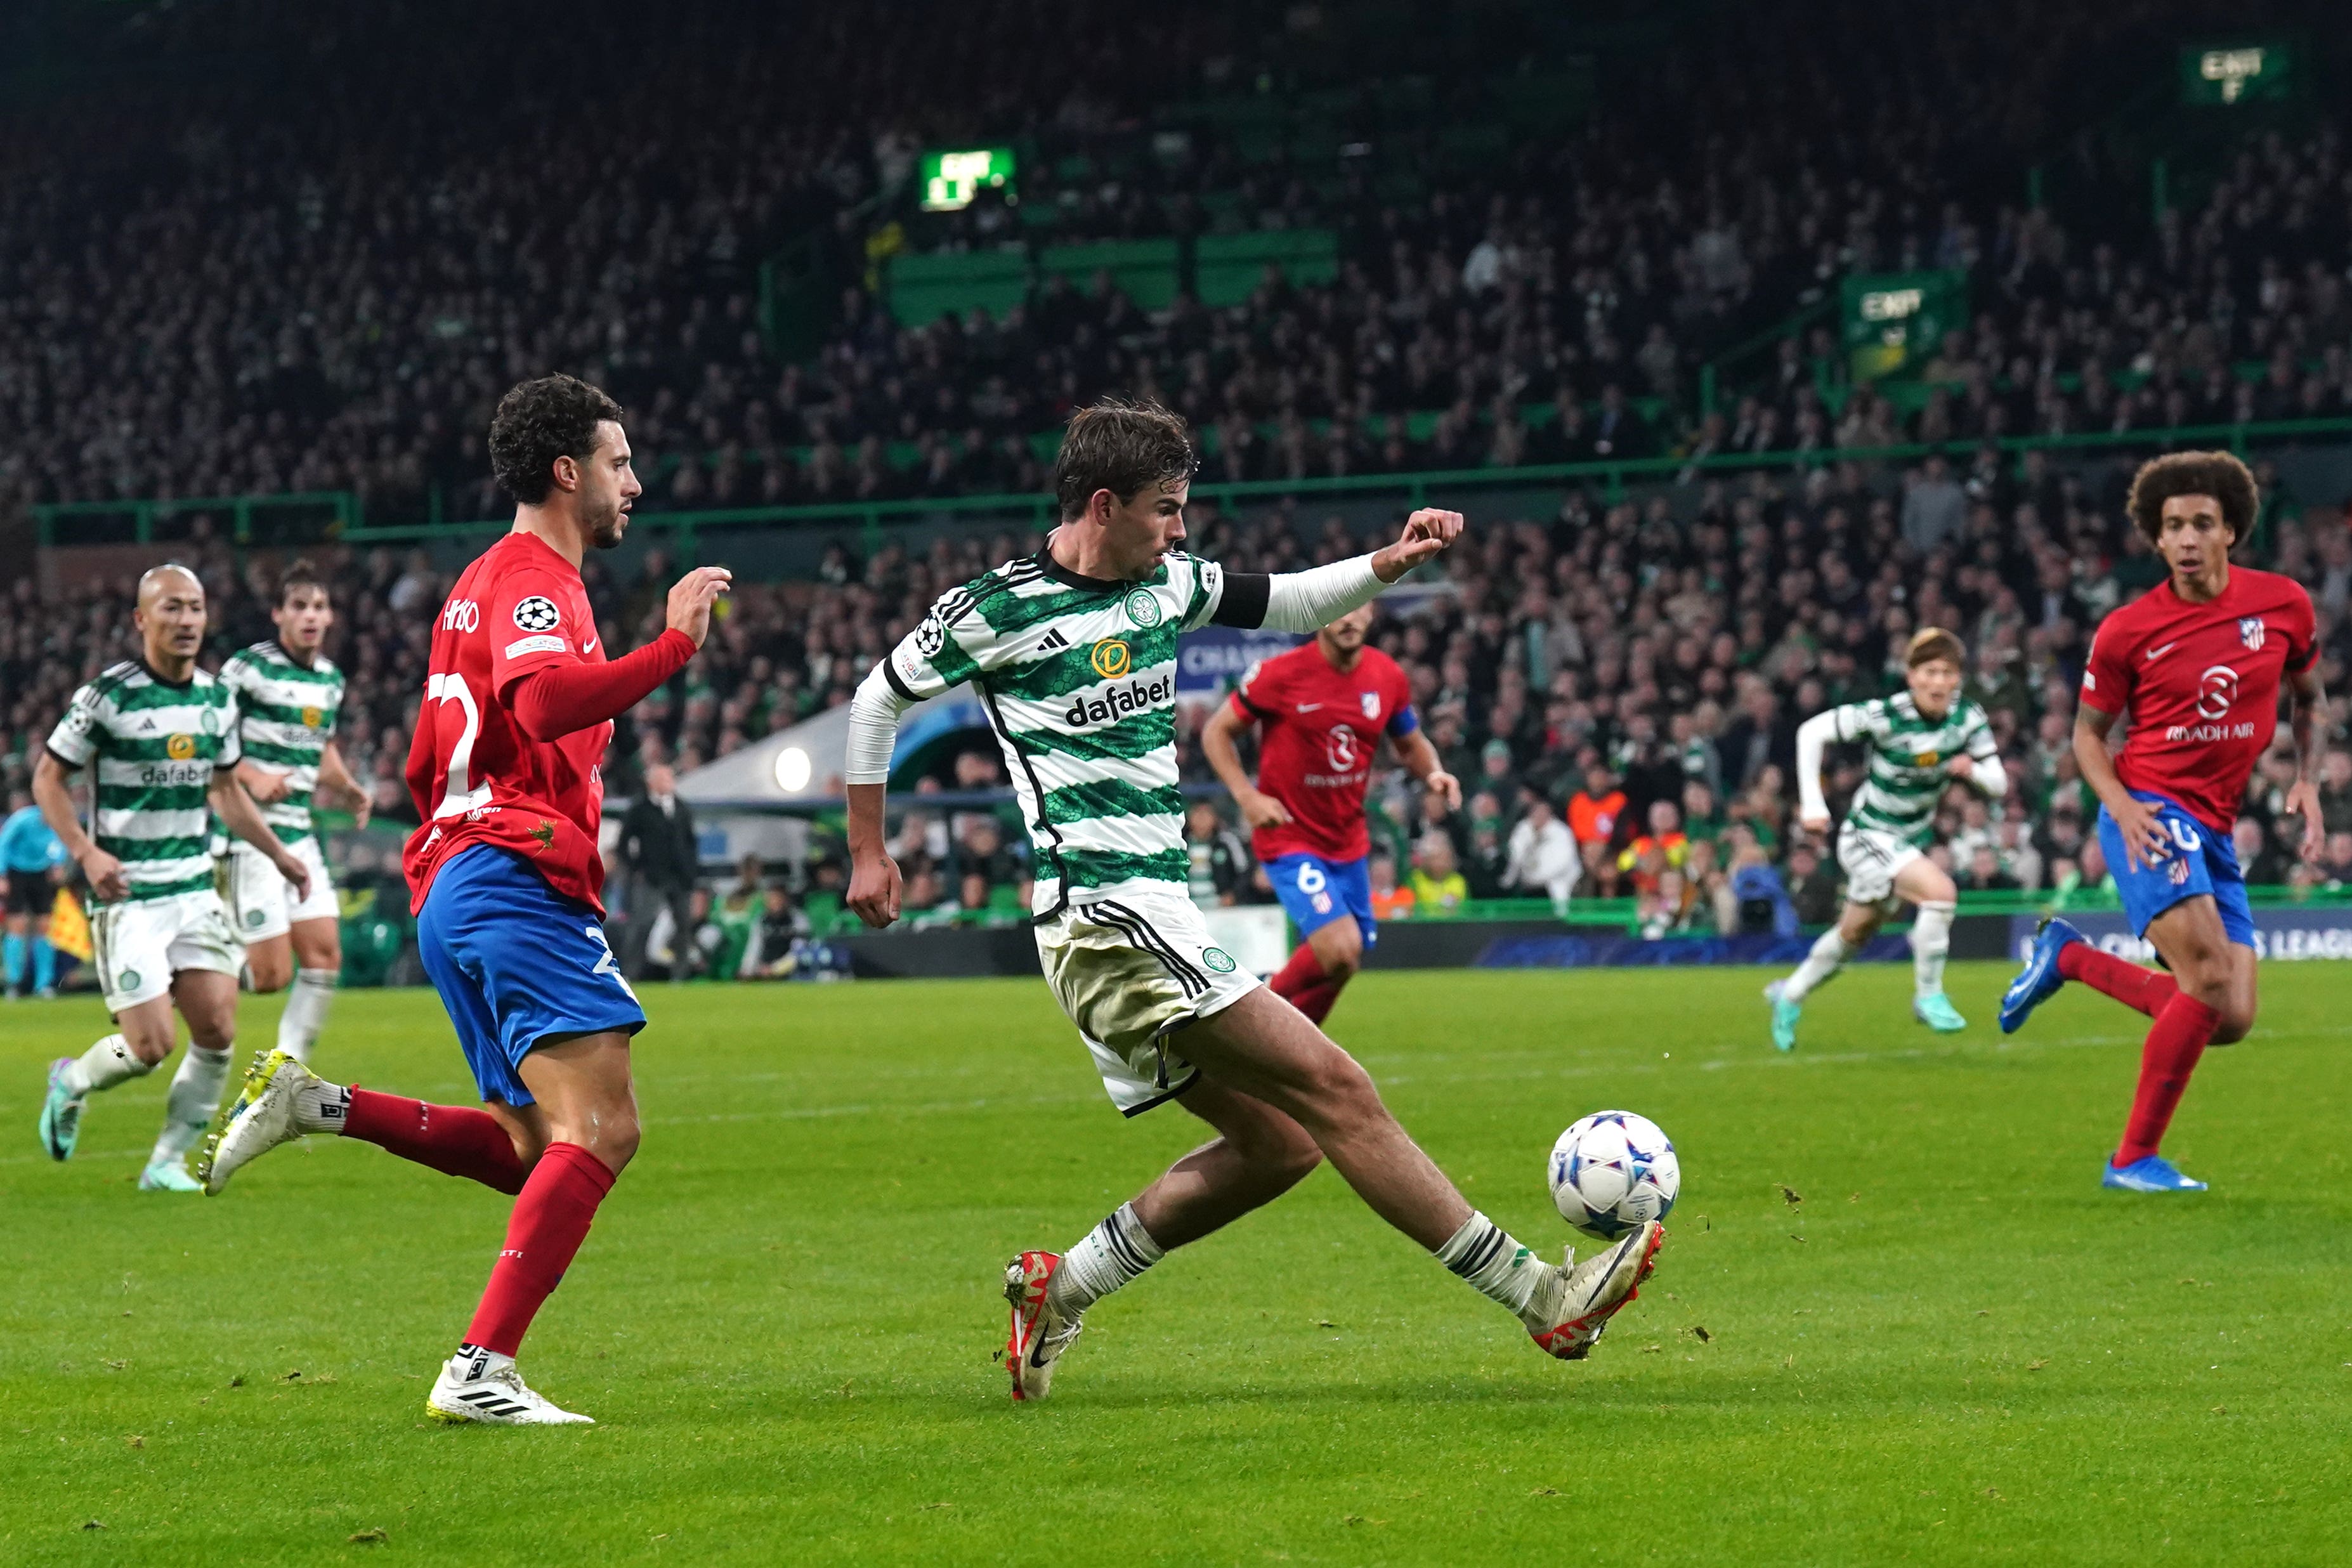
(1144, 269)
(925, 288)
(1227, 267)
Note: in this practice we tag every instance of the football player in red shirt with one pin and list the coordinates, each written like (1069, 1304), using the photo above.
(1322, 709)
(2199, 660)
(504, 878)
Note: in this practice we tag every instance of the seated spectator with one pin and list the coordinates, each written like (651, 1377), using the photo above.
(1983, 873)
(1813, 885)
(1671, 907)
(770, 954)
(1664, 846)
(1439, 888)
(1718, 911)
(1389, 902)
(1220, 860)
(2257, 855)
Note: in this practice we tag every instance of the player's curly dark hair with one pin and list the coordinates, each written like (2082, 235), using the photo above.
(1121, 447)
(299, 572)
(2217, 473)
(540, 421)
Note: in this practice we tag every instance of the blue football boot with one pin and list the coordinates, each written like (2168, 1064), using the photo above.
(2039, 981)
(1785, 1015)
(1938, 1014)
(60, 1114)
(2153, 1174)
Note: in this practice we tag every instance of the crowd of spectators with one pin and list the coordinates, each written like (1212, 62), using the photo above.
(323, 299)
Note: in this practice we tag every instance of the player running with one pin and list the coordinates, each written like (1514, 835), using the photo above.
(1073, 651)
(30, 855)
(2198, 660)
(1920, 741)
(287, 696)
(160, 736)
(1324, 707)
(504, 875)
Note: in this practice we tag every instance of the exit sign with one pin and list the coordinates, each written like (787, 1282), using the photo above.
(951, 180)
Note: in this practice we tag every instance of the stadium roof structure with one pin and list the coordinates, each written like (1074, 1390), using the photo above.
(804, 761)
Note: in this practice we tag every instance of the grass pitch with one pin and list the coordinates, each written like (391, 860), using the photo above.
(1928, 1334)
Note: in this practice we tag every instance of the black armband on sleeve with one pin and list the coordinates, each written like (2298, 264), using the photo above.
(1243, 602)
(890, 674)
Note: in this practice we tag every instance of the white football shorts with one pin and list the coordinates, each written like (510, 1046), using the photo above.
(261, 902)
(138, 944)
(1872, 859)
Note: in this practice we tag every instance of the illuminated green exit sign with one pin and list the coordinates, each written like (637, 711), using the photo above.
(951, 180)
(2236, 73)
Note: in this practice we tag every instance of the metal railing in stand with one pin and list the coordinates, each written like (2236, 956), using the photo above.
(55, 520)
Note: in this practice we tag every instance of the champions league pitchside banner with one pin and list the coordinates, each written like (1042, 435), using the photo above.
(2286, 934)
(1214, 658)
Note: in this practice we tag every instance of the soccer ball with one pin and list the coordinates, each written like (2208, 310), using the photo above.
(1611, 1171)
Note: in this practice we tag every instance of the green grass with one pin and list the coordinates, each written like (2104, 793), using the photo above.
(1955, 1348)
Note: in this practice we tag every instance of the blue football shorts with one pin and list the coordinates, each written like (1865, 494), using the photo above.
(2197, 860)
(516, 961)
(1315, 891)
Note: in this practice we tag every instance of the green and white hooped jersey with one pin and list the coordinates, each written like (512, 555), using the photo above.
(153, 747)
(1908, 755)
(286, 716)
(1078, 677)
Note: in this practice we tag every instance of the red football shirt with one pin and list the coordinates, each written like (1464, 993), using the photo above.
(2202, 685)
(476, 777)
(1318, 728)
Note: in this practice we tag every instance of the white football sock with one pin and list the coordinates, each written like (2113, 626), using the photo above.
(306, 1011)
(188, 1111)
(1931, 943)
(321, 1107)
(1495, 1264)
(1113, 1252)
(1828, 956)
(103, 1066)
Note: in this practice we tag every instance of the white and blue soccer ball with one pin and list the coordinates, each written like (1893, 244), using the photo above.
(1612, 1171)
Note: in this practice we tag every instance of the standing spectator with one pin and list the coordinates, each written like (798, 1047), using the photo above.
(658, 845)
(1438, 886)
(1389, 902)
(1220, 860)
(1543, 852)
(1935, 507)
(2335, 791)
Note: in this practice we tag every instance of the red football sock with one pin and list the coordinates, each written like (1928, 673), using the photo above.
(1303, 970)
(550, 1220)
(456, 1139)
(1317, 1001)
(2175, 1041)
(2147, 989)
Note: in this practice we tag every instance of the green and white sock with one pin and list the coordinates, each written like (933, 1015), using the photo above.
(103, 1066)
(306, 1011)
(1931, 944)
(1110, 1254)
(1828, 955)
(1494, 1265)
(195, 1094)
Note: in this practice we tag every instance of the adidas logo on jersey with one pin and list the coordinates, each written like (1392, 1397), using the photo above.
(1053, 639)
(1120, 702)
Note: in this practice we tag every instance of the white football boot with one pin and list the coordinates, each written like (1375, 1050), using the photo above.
(482, 1385)
(268, 1110)
(1040, 1331)
(1589, 1294)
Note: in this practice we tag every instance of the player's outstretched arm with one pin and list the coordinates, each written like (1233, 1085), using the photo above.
(557, 700)
(1307, 601)
(1258, 808)
(241, 817)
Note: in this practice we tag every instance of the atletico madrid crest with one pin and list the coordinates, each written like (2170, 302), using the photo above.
(2250, 632)
(1371, 703)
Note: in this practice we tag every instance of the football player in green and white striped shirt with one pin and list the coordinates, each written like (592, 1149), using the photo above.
(1919, 741)
(288, 695)
(159, 738)
(1073, 653)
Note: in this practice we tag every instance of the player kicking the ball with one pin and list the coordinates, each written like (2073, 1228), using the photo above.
(2198, 660)
(288, 695)
(160, 737)
(1073, 651)
(504, 877)
(1919, 741)
(1324, 707)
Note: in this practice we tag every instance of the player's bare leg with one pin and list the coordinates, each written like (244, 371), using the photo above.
(1258, 1154)
(1269, 1052)
(1320, 967)
(2214, 1002)
(144, 1037)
